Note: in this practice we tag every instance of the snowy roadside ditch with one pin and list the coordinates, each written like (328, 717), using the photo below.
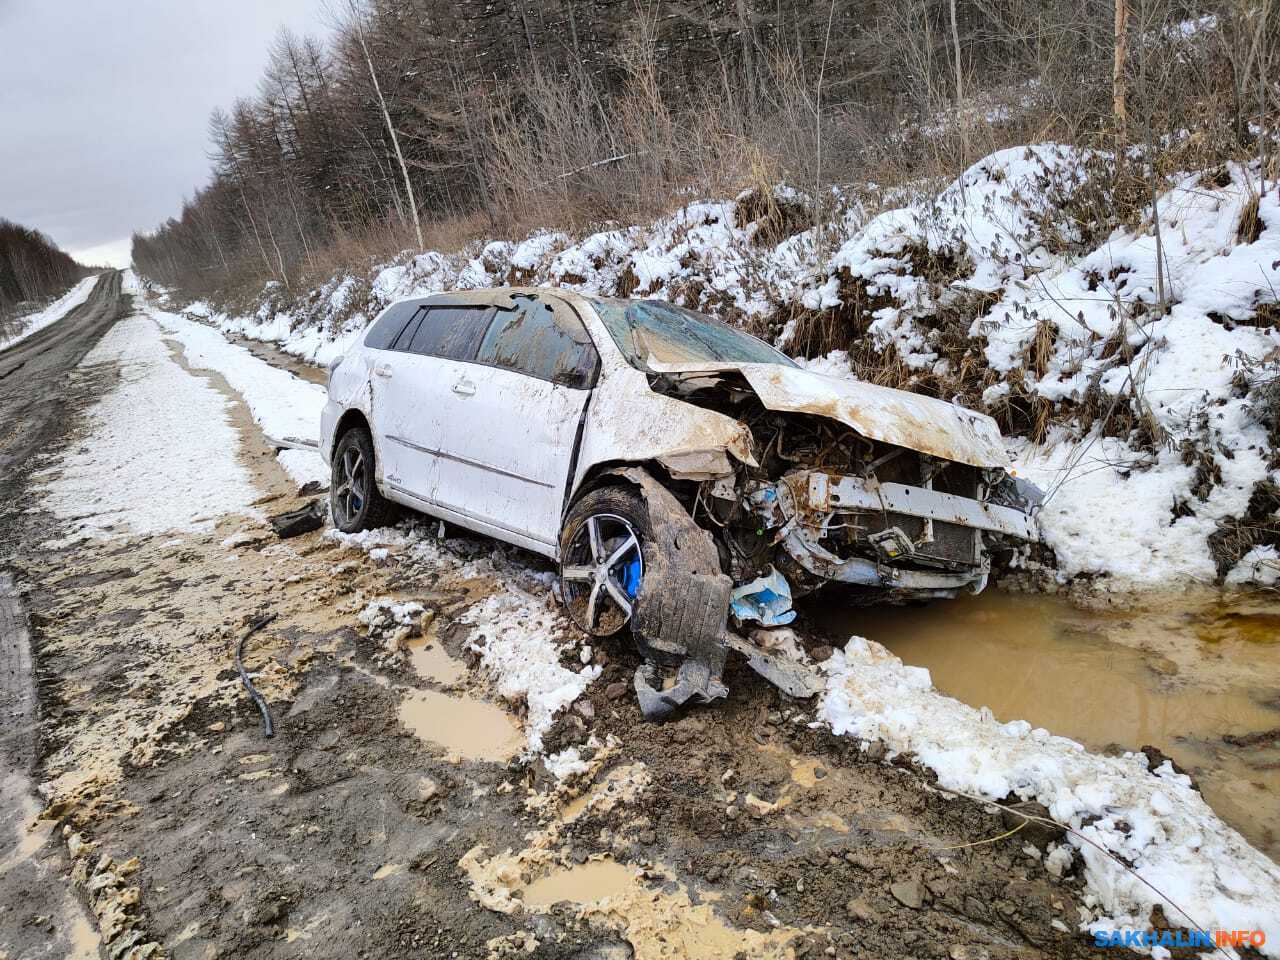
(1082, 327)
(282, 404)
(1153, 820)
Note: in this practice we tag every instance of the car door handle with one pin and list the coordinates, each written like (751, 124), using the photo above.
(383, 370)
(464, 388)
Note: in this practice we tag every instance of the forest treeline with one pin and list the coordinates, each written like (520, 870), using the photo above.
(32, 267)
(431, 122)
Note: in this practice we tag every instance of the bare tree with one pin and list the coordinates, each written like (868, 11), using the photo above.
(356, 21)
(1119, 107)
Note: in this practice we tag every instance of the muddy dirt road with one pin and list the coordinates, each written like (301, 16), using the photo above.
(391, 814)
(34, 399)
(32, 391)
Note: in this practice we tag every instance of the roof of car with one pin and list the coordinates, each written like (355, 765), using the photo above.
(498, 295)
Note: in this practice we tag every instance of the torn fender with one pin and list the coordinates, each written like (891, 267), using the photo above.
(683, 603)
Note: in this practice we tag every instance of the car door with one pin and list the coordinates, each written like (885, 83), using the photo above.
(514, 418)
(411, 389)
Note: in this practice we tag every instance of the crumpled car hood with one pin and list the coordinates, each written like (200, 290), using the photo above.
(935, 427)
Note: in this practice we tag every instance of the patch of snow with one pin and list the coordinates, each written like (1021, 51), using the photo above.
(1152, 819)
(1260, 566)
(142, 469)
(566, 763)
(514, 632)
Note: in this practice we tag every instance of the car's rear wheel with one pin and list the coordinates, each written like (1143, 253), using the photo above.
(602, 547)
(354, 499)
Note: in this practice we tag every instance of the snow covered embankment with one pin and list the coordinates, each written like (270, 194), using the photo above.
(33, 323)
(1001, 290)
(1151, 819)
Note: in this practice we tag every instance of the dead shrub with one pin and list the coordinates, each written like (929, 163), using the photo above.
(1249, 228)
(816, 333)
(776, 218)
(1258, 526)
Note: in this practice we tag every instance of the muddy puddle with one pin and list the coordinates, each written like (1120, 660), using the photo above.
(585, 883)
(432, 662)
(1195, 676)
(465, 728)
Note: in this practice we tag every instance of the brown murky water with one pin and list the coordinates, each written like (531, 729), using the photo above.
(658, 923)
(1190, 673)
(586, 883)
(431, 661)
(465, 728)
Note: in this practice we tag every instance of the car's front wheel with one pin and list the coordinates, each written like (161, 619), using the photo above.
(354, 499)
(602, 547)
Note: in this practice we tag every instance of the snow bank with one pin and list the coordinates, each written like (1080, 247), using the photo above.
(282, 404)
(142, 468)
(1042, 302)
(33, 323)
(1152, 819)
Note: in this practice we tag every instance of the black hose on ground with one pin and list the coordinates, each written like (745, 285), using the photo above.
(244, 676)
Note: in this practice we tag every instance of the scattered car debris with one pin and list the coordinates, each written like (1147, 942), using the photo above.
(268, 727)
(792, 677)
(293, 443)
(300, 521)
(766, 599)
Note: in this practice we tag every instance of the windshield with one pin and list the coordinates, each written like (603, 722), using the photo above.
(653, 330)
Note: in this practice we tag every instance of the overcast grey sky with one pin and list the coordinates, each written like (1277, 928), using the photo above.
(104, 105)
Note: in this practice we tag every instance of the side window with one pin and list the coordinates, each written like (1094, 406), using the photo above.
(451, 332)
(536, 340)
(410, 329)
(389, 325)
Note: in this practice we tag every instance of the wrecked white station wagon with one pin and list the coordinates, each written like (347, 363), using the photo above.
(687, 477)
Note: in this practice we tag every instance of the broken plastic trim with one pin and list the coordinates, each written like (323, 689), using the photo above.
(766, 599)
(693, 682)
(793, 678)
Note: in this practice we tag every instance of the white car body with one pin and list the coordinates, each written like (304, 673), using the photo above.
(503, 453)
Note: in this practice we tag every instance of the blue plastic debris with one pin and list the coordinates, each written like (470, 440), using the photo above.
(766, 599)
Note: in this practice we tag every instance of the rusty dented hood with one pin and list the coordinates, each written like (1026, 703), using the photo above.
(935, 427)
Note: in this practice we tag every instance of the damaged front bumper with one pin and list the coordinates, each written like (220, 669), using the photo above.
(921, 542)
(941, 554)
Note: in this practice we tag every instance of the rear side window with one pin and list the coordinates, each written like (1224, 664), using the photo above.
(406, 335)
(536, 340)
(387, 327)
(450, 332)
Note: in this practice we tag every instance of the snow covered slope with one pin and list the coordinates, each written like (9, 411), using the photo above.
(1137, 365)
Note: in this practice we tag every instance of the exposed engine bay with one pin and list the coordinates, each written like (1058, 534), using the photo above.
(826, 505)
